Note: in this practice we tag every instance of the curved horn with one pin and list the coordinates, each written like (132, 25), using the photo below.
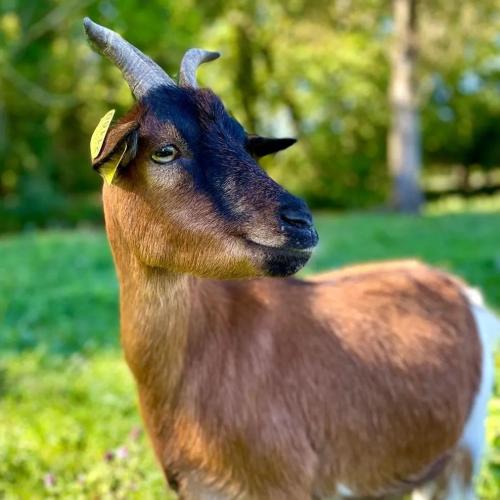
(189, 64)
(140, 72)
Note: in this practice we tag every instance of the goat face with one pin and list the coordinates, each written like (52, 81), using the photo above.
(190, 196)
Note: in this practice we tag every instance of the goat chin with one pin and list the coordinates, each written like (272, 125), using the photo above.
(281, 261)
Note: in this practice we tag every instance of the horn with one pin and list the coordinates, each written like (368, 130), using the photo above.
(189, 64)
(140, 72)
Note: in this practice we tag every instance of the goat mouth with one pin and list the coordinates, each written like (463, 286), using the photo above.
(281, 250)
(280, 261)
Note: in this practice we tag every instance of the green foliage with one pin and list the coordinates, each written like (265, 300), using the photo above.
(461, 97)
(47, 208)
(312, 69)
(69, 426)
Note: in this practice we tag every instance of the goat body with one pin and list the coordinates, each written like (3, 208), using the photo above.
(268, 389)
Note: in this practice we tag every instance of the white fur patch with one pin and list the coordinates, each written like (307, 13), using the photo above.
(473, 437)
(424, 493)
(344, 490)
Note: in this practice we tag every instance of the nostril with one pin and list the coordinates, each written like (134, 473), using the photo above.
(296, 217)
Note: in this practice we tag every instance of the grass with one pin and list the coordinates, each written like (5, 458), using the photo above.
(69, 426)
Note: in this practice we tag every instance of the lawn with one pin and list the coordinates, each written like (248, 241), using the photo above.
(69, 426)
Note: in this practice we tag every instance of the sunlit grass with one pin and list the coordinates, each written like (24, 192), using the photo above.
(69, 429)
(459, 204)
(68, 416)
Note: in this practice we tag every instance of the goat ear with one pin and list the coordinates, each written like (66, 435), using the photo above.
(261, 146)
(118, 150)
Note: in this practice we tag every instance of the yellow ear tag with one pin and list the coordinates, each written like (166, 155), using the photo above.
(97, 139)
(108, 169)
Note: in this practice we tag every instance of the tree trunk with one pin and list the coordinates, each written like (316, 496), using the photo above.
(404, 154)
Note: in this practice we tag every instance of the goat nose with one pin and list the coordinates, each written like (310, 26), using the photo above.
(296, 217)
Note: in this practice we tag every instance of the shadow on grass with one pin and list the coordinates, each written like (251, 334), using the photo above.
(59, 293)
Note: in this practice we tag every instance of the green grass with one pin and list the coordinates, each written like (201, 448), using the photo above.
(69, 427)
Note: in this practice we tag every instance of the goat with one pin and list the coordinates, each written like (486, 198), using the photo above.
(367, 382)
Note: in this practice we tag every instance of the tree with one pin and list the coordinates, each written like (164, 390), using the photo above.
(316, 70)
(404, 144)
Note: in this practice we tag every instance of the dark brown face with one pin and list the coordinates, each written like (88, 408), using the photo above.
(190, 195)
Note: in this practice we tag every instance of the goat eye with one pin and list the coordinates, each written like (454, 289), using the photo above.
(166, 154)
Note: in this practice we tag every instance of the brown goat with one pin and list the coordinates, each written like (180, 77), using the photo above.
(368, 382)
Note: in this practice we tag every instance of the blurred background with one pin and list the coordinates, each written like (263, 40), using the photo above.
(397, 109)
